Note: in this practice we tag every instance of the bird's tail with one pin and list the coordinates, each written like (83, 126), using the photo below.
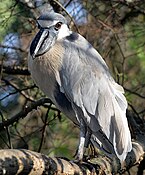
(114, 136)
(122, 138)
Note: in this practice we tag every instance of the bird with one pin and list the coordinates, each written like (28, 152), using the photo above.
(71, 72)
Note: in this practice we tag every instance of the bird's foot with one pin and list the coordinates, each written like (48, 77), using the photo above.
(81, 157)
(78, 157)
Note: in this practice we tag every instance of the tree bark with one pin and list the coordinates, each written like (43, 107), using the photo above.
(14, 161)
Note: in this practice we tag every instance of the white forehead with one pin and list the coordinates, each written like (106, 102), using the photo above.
(50, 19)
(46, 23)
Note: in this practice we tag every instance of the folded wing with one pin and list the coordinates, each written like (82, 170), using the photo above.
(85, 80)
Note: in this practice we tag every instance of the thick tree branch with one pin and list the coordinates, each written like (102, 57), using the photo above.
(14, 161)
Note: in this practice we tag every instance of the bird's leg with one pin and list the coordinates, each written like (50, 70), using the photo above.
(83, 131)
(87, 140)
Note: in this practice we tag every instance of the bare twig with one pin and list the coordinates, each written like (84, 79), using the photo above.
(44, 127)
(7, 132)
(134, 93)
(19, 90)
(24, 112)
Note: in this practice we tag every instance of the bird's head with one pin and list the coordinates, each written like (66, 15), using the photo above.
(52, 27)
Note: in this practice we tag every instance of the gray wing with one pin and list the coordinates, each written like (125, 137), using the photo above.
(86, 81)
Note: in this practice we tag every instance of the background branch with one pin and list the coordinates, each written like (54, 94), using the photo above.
(23, 113)
(16, 70)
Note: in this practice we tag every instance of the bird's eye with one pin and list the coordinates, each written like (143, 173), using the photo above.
(58, 26)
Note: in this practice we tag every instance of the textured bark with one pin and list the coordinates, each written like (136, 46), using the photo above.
(14, 161)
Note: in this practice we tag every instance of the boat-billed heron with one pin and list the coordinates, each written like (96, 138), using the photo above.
(74, 76)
